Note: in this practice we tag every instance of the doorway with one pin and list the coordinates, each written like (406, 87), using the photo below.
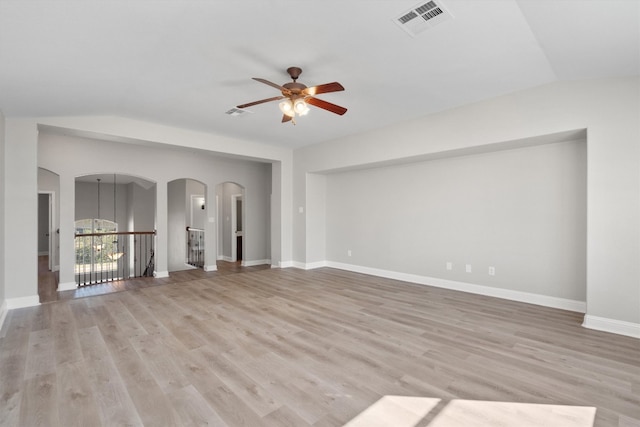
(186, 218)
(47, 277)
(236, 227)
(232, 222)
(46, 227)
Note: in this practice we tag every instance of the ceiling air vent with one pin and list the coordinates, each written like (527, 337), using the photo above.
(237, 112)
(422, 17)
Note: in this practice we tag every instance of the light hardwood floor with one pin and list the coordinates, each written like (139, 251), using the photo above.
(286, 347)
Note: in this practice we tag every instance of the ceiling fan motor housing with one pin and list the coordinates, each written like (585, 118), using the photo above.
(294, 72)
(294, 89)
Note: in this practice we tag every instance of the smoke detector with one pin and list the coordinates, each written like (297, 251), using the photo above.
(422, 17)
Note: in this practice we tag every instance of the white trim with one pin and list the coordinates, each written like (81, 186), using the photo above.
(56, 268)
(69, 286)
(3, 313)
(210, 268)
(43, 253)
(285, 264)
(255, 262)
(313, 265)
(508, 294)
(160, 274)
(22, 302)
(228, 259)
(614, 326)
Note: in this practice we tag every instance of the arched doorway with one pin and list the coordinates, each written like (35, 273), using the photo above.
(231, 221)
(114, 228)
(186, 217)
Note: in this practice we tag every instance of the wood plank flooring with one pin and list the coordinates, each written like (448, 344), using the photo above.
(48, 280)
(286, 347)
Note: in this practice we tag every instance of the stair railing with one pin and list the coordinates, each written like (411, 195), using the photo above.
(195, 247)
(107, 257)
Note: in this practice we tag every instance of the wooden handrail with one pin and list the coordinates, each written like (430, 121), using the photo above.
(119, 233)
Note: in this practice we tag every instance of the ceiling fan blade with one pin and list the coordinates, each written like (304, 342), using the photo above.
(250, 104)
(277, 86)
(325, 88)
(326, 105)
(286, 118)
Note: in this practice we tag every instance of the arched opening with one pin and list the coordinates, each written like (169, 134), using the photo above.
(231, 222)
(186, 217)
(114, 228)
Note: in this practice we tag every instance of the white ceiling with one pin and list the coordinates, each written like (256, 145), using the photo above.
(184, 63)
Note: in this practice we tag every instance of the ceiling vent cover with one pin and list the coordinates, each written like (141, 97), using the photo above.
(422, 17)
(237, 112)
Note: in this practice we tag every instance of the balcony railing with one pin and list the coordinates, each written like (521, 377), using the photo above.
(195, 247)
(107, 257)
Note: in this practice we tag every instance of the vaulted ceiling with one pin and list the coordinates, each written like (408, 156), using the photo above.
(185, 63)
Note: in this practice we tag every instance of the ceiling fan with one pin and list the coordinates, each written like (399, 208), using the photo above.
(296, 96)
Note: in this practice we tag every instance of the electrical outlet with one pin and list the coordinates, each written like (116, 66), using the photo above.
(349, 252)
(492, 271)
(467, 268)
(449, 265)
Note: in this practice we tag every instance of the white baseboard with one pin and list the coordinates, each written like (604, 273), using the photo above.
(210, 268)
(286, 264)
(56, 268)
(69, 286)
(22, 302)
(309, 265)
(160, 274)
(227, 258)
(543, 300)
(312, 265)
(43, 253)
(255, 262)
(612, 325)
(3, 313)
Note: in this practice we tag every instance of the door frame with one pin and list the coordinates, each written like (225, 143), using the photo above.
(234, 225)
(52, 225)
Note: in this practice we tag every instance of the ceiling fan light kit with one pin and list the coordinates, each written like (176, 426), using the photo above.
(297, 97)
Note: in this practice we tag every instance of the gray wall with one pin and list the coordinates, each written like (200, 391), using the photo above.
(522, 211)
(605, 110)
(3, 240)
(162, 165)
(20, 213)
(86, 202)
(143, 206)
